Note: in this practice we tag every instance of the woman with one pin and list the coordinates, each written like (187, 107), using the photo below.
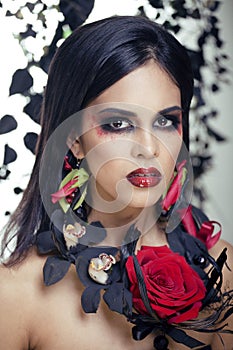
(103, 197)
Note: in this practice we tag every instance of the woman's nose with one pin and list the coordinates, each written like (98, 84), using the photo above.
(146, 145)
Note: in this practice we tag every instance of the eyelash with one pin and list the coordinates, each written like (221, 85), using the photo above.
(174, 119)
(109, 127)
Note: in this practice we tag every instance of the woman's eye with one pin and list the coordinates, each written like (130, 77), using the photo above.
(117, 125)
(163, 122)
(167, 122)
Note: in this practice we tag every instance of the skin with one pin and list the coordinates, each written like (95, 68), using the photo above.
(37, 317)
(111, 156)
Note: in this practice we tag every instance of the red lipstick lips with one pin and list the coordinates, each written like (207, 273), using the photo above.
(144, 177)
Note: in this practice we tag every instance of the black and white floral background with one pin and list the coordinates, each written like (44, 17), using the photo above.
(31, 31)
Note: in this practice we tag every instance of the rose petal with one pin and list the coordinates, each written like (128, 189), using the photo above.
(188, 315)
(172, 285)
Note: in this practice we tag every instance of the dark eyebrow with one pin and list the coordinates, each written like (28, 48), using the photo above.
(132, 114)
(170, 109)
(118, 110)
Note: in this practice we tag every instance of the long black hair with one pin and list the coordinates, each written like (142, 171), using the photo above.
(90, 60)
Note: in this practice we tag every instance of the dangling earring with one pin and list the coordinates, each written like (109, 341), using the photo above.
(69, 194)
(77, 204)
(172, 196)
(175, 188)
(78, 163)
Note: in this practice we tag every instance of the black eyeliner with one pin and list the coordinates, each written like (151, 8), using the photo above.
(175, 119)
(105, 126)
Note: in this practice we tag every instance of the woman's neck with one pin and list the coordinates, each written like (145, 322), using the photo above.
(117, 224)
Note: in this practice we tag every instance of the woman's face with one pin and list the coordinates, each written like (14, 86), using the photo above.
(131, 137)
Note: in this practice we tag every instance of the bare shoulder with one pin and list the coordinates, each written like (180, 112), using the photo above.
(20, 279)
(25, 303)
(17, 286)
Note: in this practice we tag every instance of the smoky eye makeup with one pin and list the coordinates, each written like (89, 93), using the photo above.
(114, 120)
(168, 122)
(117, 125)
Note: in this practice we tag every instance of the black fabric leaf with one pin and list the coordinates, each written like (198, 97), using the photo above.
(169, 26)
(9, 155)
(158, 4)
(202, 39)
(30, 140)
(141, 11)
(59, 241)
(215, 135)
(21, 82)
(29, 31)
(118, 298)
(7, 124)
(91, 298)
(115, 274)
(45, 243)
(195, 14)
(96, 233)
(214, 87)
(55, 269)
(200, 164)
(18, 190)
(213, 5)
(76, 11)
(33, 107)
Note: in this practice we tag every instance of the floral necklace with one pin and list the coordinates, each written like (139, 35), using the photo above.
(157, 290)
(160, 290)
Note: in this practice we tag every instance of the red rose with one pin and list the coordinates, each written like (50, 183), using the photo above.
(174, 289)
(175, 187)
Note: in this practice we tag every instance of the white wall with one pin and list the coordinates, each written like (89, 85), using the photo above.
(219, 180)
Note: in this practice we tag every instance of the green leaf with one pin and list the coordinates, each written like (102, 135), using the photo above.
(81, 199)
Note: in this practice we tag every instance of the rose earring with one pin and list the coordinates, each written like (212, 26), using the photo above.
(78, 197)
(175, 188)
(73, 188)
(173, 195)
